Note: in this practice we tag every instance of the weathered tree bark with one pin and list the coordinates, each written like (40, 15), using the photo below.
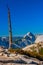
(10, 29)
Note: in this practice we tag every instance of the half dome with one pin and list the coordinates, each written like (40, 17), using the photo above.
(39, 39)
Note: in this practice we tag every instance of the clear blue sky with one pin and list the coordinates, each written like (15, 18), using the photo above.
(26, 16)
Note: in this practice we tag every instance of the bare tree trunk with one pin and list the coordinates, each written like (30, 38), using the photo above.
(10, 29)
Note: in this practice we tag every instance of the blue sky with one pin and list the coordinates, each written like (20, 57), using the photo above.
(26, 16)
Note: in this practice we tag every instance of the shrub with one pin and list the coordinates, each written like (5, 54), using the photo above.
(41, 51)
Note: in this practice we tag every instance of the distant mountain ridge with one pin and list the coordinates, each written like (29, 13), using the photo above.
(27, 39)
(19, 42)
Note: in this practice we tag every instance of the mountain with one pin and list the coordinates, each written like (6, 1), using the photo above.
(27, 39)
(30, 36)
(39, 39)
(18, 42)
(37, 46)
